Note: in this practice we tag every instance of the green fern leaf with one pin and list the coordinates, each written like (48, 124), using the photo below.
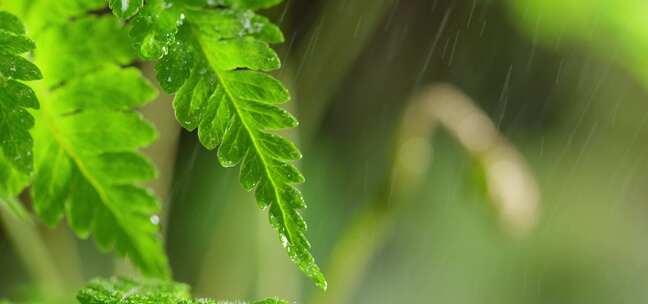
(15, 97)
(227, 96)
(87, 167)
(124, 291)
(87, 135)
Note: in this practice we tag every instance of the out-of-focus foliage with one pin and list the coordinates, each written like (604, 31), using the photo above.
(39, 15)
(615, 29)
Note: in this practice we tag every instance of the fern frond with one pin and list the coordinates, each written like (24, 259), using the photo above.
(15, 98)
(215, 59)
(124, 291)
(87, 166)
(87, 136)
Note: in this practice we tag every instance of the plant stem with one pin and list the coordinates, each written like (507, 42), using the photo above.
(227, 267)
(444, 106)
(162, 153)
(32, 251)
(271, 257)
(352, 254)
(354, 251)
(323, 64)
(272, 261)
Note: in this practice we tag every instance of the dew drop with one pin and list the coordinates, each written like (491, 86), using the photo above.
(284, 241)
(124, 5)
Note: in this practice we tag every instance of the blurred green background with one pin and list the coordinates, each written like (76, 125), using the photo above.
(563, 83)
